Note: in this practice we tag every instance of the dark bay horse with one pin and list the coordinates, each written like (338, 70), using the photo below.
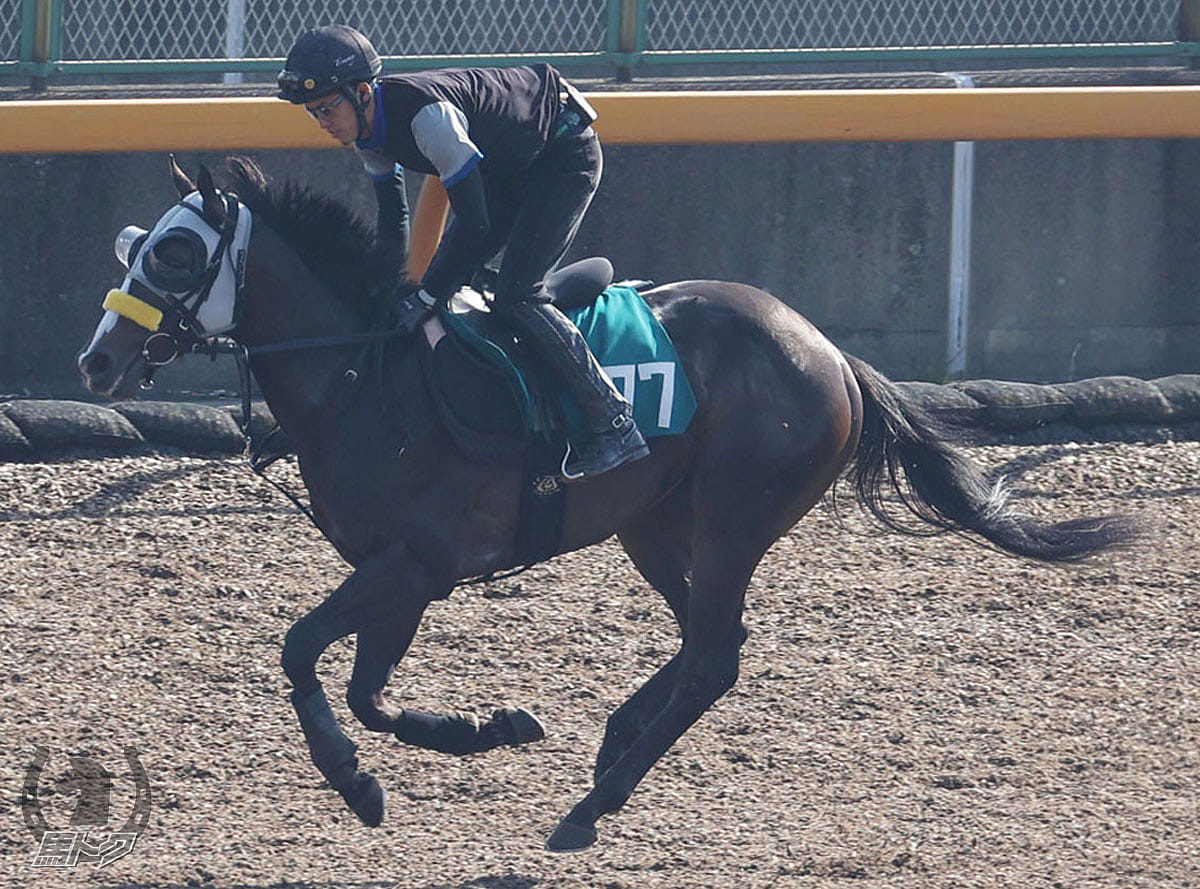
(781, 413)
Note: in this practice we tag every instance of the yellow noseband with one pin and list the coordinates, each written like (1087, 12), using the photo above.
(141, 313)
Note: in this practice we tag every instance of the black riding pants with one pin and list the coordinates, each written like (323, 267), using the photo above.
(534, 216)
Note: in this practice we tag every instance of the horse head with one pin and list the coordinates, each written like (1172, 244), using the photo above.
(182, 286)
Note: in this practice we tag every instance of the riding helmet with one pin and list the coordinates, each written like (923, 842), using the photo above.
(327, 60)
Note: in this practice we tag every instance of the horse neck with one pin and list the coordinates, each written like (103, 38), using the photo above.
(284, 301)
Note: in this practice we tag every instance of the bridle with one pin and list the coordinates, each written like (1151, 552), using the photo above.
(170, 309)
(168, 304)
(169, 301)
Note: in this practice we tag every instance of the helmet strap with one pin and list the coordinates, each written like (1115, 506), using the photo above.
(350, 91)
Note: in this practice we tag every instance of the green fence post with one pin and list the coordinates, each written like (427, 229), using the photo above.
(1189, 27)
(626, 34)
(41, 39)
(26, 53)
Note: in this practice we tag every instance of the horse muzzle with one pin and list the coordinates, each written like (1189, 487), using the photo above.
(98, 370)
(125, 349)
(104, 373)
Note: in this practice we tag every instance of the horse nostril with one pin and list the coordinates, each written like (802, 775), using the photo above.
(94, 364)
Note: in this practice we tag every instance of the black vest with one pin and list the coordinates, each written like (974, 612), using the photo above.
(509, 112)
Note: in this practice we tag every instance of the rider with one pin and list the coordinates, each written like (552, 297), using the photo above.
(520, 161)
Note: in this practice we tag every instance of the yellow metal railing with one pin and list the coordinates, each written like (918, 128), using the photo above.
(644, 118)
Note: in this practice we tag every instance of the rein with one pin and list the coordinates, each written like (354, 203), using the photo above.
(242, 355)
(318, 342)
(258, 465)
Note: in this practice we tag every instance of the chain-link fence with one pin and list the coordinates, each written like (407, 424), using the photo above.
(91, 36)
(674, 25)
(124, 29)
(10, 30)
(127, 29)
(439, 27)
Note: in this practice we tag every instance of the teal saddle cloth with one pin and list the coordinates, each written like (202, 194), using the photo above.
(494, 397)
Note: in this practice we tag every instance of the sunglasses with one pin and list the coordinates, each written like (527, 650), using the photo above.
(324, 111)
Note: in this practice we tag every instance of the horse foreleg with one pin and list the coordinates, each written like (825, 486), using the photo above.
(463, 733)
(335, 757)
(363, 599)
(379, 650)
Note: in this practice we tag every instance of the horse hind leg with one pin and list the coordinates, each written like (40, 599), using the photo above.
(659, 545)
(743, 501)
(705, 668)
(378, 650)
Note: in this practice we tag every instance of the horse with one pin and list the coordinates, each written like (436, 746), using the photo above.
(781, 414)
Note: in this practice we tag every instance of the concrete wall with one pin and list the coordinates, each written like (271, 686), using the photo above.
(1084, 262)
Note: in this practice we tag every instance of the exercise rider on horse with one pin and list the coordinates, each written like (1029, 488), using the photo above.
(519, 159)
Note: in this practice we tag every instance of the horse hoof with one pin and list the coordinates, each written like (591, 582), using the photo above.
(366, 799)
(568, 837)
(518, 726)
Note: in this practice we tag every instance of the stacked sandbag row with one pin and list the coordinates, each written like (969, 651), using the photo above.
(33, 429)
(1104, 408)
(1100, 409)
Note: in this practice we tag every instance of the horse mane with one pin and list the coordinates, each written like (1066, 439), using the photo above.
(333, 241)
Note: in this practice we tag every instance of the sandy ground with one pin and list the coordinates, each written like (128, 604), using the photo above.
(911, 712)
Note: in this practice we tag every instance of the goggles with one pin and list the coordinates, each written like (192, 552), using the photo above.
(324, 111)
(295, 87)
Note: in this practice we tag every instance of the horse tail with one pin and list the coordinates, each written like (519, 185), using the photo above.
(905, 451)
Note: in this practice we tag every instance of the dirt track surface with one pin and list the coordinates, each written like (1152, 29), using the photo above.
(911, 712)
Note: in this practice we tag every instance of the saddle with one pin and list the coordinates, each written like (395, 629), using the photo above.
(500, 404)
(493, 396)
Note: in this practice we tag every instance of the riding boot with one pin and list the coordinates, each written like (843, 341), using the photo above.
(615, 438)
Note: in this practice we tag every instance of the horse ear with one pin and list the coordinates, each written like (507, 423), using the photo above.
(214, 207)
(183, 184)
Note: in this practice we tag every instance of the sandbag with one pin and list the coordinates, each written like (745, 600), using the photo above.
(57, 425)
(1182, 392)
(1116, 400)
(194, 427)
(13, 445)
(1012, 407)
(942, 402)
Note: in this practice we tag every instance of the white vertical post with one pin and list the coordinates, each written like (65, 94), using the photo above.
(235, 36)
(962, 190)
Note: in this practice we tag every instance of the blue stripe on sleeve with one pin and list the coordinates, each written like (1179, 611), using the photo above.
(463, 171)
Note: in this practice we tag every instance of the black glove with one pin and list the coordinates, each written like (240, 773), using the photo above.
(412, 309)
